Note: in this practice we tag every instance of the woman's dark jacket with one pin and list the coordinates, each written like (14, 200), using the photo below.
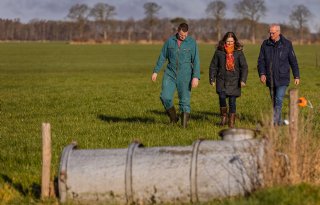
(277, 57)
(228, 81)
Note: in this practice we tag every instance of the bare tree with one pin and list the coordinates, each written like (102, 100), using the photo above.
(253, 10)
(216, 9)
(151, 9)
(135, 30)
(299, 18)
(79, 13)
(129, 28)
(102, 12)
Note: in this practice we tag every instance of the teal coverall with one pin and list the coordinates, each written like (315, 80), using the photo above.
(183, 65)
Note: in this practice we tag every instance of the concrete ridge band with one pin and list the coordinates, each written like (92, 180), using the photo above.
(128, 172)
(194, 172)
(63, 171)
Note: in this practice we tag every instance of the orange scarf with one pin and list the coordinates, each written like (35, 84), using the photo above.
(229, 57)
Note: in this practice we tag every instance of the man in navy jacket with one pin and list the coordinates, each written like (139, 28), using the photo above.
(274, 62)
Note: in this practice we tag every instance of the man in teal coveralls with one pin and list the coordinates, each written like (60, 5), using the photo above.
(182, 72)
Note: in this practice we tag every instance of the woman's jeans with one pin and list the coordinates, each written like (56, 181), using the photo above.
(232, 102)
(277, 96)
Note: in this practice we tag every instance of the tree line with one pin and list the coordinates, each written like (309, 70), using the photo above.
(98, 24)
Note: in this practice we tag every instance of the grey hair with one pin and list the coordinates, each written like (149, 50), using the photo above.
(277, 26)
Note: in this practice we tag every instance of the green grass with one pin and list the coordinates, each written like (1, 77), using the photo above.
(302, 194)
(102, 97)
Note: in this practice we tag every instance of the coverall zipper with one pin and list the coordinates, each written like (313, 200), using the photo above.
(177, 57)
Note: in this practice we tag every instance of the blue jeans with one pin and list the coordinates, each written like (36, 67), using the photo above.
(232, 102)
(277, 97)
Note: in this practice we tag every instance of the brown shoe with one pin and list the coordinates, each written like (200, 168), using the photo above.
(223, 114)
(232, 119)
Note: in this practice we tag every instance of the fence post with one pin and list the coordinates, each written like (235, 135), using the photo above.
(293, 131)
(46, 160)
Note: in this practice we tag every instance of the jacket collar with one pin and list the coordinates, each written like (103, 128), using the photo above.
(176, 38)
(272, 43)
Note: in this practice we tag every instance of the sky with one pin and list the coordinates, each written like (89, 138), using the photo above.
(278, 11)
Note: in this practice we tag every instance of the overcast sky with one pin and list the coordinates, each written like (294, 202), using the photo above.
(278, 11)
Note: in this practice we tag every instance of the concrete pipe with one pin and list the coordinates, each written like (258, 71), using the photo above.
(197, 173)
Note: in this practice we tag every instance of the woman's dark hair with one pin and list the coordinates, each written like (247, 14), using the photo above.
(237, 44)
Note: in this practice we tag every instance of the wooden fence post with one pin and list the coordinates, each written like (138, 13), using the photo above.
(46, 160)
(293, 131)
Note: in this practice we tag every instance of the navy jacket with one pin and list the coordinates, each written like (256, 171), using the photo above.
(275, 60)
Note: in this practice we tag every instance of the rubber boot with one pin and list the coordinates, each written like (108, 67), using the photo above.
(232, 119)
(223, 114)
(171, 112)
(184, 119)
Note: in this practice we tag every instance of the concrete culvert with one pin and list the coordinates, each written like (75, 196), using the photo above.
(182, 174)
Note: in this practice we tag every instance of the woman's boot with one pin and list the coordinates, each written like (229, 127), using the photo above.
(223, 114)
(232, 119)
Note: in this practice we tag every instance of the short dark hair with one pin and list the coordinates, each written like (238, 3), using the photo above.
(184, 27)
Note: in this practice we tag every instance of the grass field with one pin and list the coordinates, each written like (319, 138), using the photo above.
(102, 97)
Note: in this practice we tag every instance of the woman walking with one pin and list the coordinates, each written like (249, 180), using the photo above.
(228, 71)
